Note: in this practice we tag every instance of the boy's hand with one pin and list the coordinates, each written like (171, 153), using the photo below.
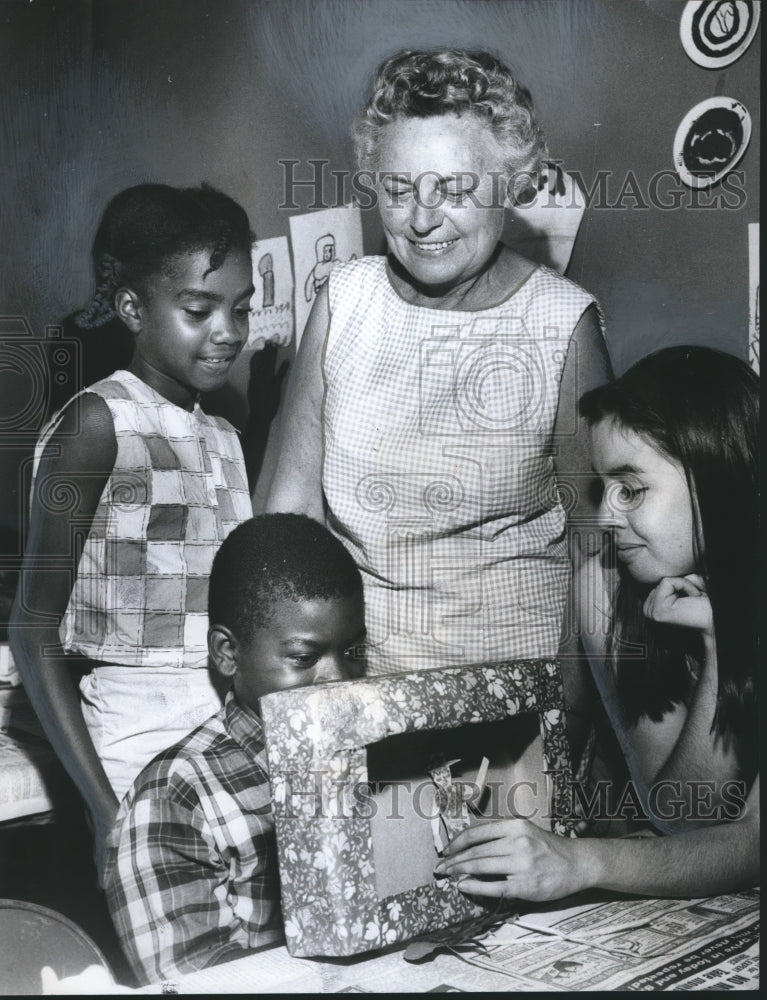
(683, 601)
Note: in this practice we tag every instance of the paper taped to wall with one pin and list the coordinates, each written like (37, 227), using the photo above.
(320, 242)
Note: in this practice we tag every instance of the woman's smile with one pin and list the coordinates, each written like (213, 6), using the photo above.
(432, 248)
(442, 238)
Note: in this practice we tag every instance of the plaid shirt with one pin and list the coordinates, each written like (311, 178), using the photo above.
(191, 871)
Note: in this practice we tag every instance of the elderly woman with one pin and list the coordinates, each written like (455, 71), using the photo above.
(431, 408)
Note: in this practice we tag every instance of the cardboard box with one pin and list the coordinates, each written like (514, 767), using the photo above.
(358, 815)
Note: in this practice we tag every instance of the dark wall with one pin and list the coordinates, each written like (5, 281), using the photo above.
(100, 95)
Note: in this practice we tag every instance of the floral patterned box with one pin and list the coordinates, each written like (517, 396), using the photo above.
(318, 741)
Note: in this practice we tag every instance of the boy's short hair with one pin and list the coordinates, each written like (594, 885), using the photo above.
(273, 557)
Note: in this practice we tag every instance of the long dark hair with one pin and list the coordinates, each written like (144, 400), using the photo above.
(700, 407)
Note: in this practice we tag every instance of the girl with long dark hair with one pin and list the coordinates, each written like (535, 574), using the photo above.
(672, 642)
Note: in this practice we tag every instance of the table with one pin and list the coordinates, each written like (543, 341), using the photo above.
(584, 944)
(588, 944)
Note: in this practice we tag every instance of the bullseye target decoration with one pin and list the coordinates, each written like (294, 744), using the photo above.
(717, 32)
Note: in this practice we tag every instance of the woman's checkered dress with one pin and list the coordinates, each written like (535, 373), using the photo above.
(438, 469)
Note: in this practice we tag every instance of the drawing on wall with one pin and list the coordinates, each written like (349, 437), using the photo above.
(271, 316)
(265, 268)
(321, 241)
(271, 307)
(715, 33)
(325, 250)
(710, 140)
(753, 295)
(544, 228)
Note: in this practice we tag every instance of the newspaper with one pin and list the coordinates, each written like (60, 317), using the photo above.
(26, 766)
(625, 944)
(645, 944)
(9, 675)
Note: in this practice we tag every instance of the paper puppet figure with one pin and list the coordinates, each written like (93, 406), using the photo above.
(325, 250)
(452, 801)
(266, 270)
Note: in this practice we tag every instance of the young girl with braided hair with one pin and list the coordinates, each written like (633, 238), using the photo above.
(134, 489)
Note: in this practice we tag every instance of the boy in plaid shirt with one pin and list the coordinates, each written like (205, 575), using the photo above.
(191, 872)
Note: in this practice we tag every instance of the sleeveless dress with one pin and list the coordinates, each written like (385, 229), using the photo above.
(438, 468)
(139, 604)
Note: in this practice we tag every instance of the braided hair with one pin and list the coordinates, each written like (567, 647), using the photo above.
(146, 227)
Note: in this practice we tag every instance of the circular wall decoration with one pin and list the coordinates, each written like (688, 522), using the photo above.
(717, 32)
(710, 140)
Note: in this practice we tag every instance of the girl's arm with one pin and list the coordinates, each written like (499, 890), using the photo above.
(526, 862)
(297, 483)
(587, 366)
(264, 389)
(700, 761)
(72, 474)
(682, 770)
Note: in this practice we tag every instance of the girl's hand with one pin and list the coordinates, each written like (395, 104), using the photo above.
(681, 600)
(523, 861)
